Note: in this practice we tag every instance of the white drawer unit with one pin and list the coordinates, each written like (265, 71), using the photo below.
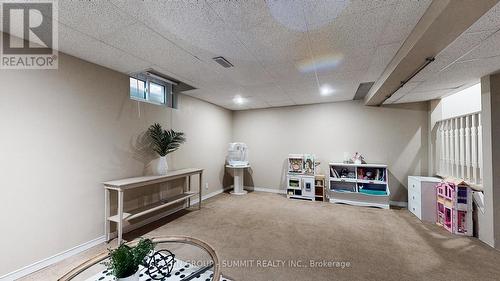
(422, 197)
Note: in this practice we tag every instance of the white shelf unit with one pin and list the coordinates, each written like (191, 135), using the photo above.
(359, 184)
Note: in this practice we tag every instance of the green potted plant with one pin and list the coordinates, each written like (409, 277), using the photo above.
(163, 142)
(125, 260)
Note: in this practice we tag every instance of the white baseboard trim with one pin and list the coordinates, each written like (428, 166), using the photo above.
(87, 245)
(211, 194)
(270, 190)
(51, 260)
(401, 204)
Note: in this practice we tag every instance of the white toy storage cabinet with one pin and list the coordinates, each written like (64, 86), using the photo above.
(300, 182)
(359, 184)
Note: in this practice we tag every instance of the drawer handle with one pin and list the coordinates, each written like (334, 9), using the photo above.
(413, 197)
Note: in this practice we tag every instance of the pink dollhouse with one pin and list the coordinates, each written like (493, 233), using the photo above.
(454, 207)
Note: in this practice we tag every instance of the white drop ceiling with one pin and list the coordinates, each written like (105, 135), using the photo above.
(274, 46)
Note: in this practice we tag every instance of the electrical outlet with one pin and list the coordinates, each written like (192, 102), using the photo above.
(206, 185)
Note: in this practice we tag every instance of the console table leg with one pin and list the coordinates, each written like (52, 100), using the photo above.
(201, 187)
(120, 216)
(189, 189)
(106, 214)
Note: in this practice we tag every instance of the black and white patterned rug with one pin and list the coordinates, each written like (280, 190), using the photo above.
(181, 271)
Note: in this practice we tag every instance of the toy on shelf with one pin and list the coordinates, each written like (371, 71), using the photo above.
(372, 174)
(309, 164)
(454, 207)
(295, 163)
(358, 158)
(317, 167)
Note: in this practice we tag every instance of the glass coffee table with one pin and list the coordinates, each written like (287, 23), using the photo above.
(175, 258)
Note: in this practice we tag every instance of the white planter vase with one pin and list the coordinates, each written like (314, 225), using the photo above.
(134, 277)
(158, 166)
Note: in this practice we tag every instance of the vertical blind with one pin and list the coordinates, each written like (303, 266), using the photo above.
(459, 148)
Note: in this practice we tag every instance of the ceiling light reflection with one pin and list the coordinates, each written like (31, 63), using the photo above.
(326, 90)
(321, 63)
(239, 100)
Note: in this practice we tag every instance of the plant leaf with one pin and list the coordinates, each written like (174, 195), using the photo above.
(164, 142)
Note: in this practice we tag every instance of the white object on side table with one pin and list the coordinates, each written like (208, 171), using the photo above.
(238, 186)
(422, 197)
(237, 154)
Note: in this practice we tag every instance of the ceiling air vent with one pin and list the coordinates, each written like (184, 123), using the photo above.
(363, 89)
(222, 61)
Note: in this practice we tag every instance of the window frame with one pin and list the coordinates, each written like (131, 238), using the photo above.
(130, 92)
(168, 94)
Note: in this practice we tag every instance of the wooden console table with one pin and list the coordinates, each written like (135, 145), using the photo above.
(130, 183)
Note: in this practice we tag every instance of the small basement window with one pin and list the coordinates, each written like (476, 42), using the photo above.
(150, 88)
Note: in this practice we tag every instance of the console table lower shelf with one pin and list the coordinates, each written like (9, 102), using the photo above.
(120, 186)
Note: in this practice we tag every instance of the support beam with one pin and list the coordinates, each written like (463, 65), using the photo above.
(440, 25)
(489, 221)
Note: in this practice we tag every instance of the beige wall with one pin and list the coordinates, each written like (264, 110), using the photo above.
(65, 131)
(395, 135)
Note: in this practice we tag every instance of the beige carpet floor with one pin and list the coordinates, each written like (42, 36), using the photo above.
(361, 243)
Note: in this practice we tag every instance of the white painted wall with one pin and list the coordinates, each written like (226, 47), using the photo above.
(63, 132)
(464, 102)
(395, 135)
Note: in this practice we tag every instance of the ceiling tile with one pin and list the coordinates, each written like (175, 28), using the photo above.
(402, 21)
(352, 33)
(487, 48)
(192, 25)
(459, 75)
(96, 18)
(359, 6)
(406, 89)
(489, 21)
(457, 49)
(168, 57)
(380, 59)
(424, 96)
(82, 46)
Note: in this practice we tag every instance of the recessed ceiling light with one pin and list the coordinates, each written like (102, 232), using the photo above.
(239, 100)
(326, 90)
